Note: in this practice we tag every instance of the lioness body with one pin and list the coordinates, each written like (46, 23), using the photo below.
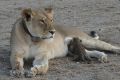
(51, 41)
(55, 47)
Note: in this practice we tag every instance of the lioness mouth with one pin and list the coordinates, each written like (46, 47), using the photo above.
(37, 39)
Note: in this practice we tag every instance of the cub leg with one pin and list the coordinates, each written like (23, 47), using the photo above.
(40, 66)
(17, 63)
(100, 45)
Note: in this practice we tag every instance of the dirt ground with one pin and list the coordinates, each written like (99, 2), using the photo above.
(100, 15)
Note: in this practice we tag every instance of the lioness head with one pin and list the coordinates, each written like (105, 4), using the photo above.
(39, 23)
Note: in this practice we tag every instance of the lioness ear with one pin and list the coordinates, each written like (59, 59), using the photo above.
(27, 14)
(49, 12)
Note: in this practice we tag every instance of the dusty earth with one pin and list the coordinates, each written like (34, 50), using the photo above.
(100, 15)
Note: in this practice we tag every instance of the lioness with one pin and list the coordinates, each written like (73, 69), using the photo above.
(35, 36)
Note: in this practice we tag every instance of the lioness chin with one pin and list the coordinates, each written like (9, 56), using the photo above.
(35, 36)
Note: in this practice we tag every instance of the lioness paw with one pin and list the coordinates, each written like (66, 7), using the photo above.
(103, 59)
(30, 74)
(17, 73)
(37, 69)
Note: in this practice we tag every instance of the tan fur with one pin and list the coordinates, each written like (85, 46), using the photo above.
(40, 23)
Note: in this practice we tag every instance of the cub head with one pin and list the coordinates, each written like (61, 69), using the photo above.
(39, 23)
(74, 43)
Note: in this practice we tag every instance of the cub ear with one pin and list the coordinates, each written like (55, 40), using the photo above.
(49, 12)
(27, 14)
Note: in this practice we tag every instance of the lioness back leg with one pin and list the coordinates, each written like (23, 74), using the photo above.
(100, 45)
(100, 56)
(90, 42)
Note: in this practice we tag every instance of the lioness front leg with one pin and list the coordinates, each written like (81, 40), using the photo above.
(17, 65)
(40, 66)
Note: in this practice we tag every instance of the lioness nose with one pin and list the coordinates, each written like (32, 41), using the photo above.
(52, 32)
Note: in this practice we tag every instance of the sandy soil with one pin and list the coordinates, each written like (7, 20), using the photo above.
(100, 15)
